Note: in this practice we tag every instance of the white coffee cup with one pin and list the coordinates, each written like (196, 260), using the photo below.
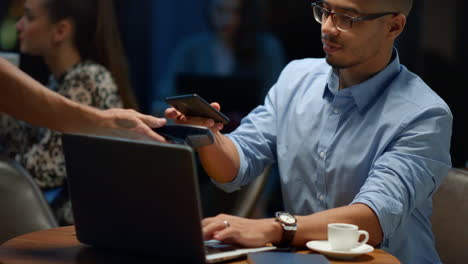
(12, 57)
(344, 237)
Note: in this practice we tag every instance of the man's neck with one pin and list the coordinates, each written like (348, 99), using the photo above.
(361, 73)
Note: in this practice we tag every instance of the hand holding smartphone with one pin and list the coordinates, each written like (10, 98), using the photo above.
(194, 105)
(194, 136)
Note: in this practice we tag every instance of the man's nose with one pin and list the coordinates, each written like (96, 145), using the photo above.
(329, 27)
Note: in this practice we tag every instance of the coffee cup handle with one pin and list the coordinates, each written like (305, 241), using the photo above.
(366, 237)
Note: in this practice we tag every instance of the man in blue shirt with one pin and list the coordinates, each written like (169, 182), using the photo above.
(358, 139)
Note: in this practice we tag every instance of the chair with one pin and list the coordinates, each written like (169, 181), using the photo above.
(23, 208)
(240, 203)
(249, 196)
(450, 217)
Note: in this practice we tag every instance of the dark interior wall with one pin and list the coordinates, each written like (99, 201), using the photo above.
(150, 30)
(442, 52)
(293, 23)
(134, 19)
(459, 96)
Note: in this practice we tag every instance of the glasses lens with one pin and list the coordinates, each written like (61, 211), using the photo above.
(319, 14)
(342, 22)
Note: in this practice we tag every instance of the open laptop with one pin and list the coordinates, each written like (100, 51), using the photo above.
(139, 196)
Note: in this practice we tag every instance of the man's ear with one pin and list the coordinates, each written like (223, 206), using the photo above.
(396, 26)
(62, 30)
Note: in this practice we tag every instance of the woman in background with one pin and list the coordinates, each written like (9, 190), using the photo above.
(80, 44)
(235, 45)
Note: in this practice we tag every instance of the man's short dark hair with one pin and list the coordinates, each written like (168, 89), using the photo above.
(408, 7)
(403, 6)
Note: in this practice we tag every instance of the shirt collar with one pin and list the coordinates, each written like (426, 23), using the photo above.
(366, 92)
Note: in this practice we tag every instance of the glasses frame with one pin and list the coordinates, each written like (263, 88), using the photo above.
(351, 19)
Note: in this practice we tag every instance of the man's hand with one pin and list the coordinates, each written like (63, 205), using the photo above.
(220, 160)
(241, 231)
(131, 124)
(179, 118)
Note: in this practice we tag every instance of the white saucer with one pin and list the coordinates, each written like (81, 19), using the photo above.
(322, 246)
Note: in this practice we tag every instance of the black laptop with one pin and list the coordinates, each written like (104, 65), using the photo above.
(139, 197)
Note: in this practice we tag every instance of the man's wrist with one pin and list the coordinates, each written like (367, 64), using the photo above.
(288, 223)
(276, 231)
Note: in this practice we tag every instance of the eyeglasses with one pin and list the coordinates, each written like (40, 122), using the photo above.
(342, 21)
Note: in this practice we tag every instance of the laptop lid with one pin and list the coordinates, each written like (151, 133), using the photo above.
(138, 196)
(134, 195)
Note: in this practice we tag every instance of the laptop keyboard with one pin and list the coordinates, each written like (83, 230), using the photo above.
(217, 247)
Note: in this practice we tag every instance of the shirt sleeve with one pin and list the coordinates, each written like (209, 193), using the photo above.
(256, 137)
(255, 140)
(409, 171)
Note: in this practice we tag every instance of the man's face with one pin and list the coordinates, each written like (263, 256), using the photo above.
(361, 44)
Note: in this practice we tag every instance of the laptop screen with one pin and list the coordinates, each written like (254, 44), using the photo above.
(130, 195)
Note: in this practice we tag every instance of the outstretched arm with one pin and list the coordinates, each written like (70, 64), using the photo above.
(258, 232)
(26, 99)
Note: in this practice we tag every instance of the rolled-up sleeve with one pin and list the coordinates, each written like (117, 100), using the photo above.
(255, 140)
(256, 137)
(411, 168)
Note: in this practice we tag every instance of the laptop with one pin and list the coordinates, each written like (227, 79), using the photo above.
(139, 197)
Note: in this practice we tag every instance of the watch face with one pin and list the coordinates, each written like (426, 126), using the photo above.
(287, 218)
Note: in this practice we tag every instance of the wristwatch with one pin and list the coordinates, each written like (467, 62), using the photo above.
(289, 224)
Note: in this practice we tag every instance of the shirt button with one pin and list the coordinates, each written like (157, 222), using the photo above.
(336, 111)
(322, 198)
(322, 155)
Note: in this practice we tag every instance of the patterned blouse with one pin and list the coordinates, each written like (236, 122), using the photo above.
(39, 150)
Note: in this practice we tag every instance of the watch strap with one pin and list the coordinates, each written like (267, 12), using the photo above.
(289, 230)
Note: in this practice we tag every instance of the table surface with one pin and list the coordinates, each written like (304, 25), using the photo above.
(59, 245)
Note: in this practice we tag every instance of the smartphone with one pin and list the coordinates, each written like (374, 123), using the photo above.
(194, 105)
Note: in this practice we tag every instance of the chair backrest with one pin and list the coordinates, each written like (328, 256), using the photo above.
(23, 208)
(240, 203)
(450, 217)
(249, 196)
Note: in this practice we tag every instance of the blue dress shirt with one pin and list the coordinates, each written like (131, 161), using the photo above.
(384, 143)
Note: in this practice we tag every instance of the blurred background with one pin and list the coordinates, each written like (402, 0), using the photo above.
(433, 46)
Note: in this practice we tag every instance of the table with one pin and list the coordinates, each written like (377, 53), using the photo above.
(60, 246)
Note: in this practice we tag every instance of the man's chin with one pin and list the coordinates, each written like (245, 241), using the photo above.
(335, 64)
